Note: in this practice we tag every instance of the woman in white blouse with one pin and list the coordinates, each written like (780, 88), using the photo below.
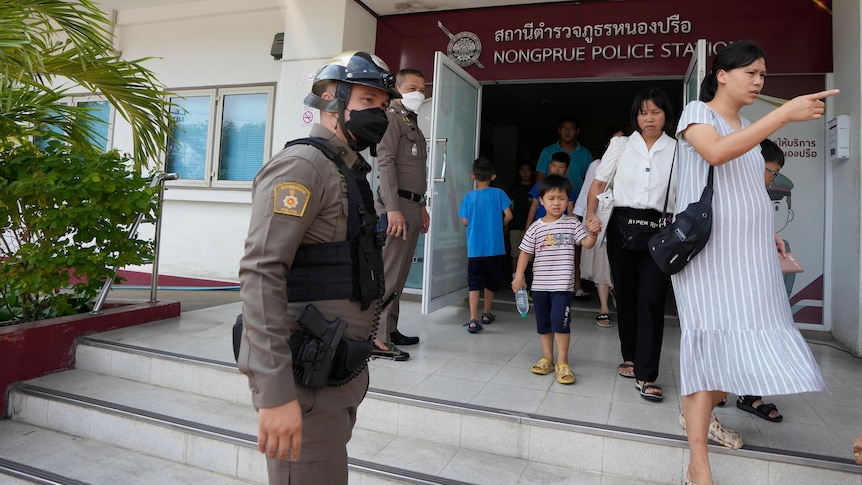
(641, 167)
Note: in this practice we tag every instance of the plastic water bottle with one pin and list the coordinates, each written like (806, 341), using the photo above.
(522, 302)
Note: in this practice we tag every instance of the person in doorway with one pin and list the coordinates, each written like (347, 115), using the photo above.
(484, 211)
(401, 159)
(779, 188)
(550, 242)
(737, 331)
(559, 166)
(594, 261)
(579, 160)
(642, 164)
(298, 220)
(520, 195)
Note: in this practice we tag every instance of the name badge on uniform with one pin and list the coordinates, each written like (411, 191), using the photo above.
(415, 150)
(291, 199)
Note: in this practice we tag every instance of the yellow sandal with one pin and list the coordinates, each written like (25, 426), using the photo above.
(542, 367)
(564, 374)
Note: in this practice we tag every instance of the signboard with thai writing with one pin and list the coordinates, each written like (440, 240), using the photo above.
(632, 38)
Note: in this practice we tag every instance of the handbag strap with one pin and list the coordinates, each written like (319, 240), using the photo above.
(610, 184)
(709, 178)
(664, 216)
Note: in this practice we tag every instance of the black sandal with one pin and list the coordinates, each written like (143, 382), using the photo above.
(643, 388)
(626, 366)
(604, 320)
(746, 403)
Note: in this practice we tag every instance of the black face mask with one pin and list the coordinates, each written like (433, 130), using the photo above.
(367, 126)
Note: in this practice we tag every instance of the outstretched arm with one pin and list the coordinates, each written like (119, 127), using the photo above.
(717, 150)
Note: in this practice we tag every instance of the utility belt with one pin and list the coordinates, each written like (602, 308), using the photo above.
(412, 196)
(636, 226)
(321, 354)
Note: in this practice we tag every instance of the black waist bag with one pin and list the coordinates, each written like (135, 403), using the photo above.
(676, 244)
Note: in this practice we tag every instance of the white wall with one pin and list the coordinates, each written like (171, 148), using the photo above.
(222, 43)
(206, 46)
(847, 179)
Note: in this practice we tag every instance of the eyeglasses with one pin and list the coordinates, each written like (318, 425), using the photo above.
(773, 172)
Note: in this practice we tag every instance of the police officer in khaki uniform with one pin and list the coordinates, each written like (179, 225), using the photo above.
(300, 200)
(401, 197)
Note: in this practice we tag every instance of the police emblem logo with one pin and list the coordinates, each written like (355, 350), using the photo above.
(290, 198)
(464, 47)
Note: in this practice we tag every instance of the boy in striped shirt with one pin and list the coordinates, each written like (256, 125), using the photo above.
(551, 242)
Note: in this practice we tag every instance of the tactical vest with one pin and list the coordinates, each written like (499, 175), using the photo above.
(351, 269)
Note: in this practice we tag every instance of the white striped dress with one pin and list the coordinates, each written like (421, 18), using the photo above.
(738, 333)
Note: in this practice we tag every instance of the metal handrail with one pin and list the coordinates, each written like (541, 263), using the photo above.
(158, 180)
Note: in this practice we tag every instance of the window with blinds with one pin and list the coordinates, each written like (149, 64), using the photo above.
(222, 136)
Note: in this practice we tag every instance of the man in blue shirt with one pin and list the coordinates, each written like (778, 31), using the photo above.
(580, 160)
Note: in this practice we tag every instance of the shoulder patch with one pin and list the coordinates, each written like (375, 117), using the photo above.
(290, 198)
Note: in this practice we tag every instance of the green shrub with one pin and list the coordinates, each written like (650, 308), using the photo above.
(65, 215)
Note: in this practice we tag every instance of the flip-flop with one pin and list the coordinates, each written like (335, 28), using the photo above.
(581, 295)
(643, 388)
(625, 366)
(761, 411)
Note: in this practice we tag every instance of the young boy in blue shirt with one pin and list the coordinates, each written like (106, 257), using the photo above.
(484, 211)
(559, 165)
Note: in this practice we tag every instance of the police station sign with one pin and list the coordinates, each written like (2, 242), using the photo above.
(622, 35)
(607, 39)
(606, 52)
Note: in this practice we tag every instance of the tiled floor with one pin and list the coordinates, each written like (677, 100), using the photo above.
(492, 368)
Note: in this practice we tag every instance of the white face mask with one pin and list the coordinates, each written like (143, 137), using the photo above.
(412, 100)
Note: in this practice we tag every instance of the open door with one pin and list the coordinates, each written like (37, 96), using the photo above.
(455, 144)
(695, 73)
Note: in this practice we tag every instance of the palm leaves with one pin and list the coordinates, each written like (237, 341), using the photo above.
(65, 205)
(48, 47)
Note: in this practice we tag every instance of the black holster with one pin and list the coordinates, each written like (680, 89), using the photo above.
(321, 356)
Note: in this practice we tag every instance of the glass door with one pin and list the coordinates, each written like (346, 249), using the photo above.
(455, 144)
(695, 73)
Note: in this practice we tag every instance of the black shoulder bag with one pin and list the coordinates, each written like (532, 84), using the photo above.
(674, 245)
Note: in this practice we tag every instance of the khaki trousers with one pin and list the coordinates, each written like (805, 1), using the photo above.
(328, 416)
(397, 258)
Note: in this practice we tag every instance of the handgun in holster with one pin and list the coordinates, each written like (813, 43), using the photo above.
(314, 347)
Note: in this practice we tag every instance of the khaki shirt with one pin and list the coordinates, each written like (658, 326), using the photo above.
(298, 197)
(401, 158)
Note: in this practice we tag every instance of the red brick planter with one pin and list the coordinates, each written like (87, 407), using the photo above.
(34, 349)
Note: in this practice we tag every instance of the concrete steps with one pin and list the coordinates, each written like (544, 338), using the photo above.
(160, 417)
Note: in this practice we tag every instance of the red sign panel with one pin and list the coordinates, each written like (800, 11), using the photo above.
(626, 38)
